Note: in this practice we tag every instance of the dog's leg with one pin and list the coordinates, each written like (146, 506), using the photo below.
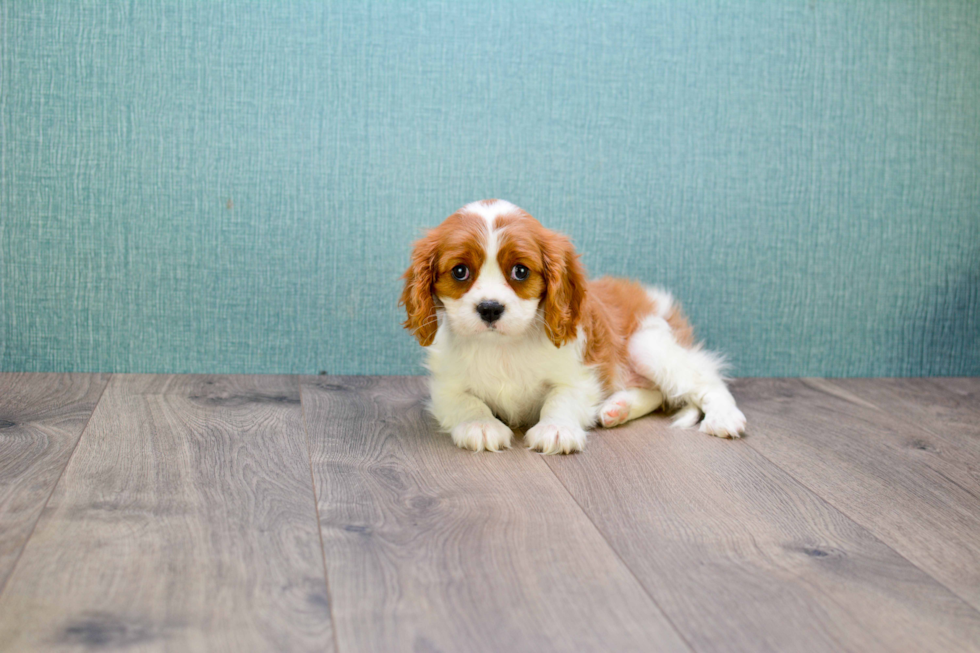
(468, 420)
(567, 411)
(629, 404)
(686, 375)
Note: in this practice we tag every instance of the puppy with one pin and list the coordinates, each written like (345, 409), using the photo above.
(517, 337)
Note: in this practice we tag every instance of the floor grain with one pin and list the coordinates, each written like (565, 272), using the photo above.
(916, 490)
(200, 513)
(944, 425)
(185, 521)
(966, 390)
(947, 407)
(741, 557)
(41, 417)
(433, 548)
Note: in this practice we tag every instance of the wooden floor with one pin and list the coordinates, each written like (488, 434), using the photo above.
(278, 513)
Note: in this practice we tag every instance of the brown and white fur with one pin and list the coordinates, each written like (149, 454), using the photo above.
(550, 351)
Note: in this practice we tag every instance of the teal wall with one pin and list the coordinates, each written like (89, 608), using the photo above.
(233, 186)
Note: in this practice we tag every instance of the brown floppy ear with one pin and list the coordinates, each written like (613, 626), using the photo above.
(564, 289)
(417, 296)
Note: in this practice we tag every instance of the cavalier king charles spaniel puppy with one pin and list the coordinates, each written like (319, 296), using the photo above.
(518, 338)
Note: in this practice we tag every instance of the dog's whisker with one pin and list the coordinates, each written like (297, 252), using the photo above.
(538, 318)
(426, 322)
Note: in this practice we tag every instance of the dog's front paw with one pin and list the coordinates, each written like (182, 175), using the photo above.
(725, 422)
(488, 435)
(555, 437)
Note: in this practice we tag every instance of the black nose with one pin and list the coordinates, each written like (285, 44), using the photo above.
(490, 311)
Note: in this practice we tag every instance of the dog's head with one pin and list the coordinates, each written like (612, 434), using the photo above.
(494, 272)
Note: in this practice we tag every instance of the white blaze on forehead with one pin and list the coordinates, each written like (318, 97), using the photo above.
(490, 210)
(490, 272)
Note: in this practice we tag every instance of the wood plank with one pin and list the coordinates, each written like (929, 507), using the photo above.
(965, 389)
(878, 467)
(184, 521)
(946, 429)
(957, 397)
(41, 417)
(741, 557)
(429, 547)
(947, 406)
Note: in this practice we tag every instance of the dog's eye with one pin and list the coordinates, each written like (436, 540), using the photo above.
(519, 272)
(461, 273)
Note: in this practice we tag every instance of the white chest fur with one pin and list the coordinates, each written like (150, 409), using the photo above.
(511, 375)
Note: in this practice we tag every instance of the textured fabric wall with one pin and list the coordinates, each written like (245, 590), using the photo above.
(234, 186)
